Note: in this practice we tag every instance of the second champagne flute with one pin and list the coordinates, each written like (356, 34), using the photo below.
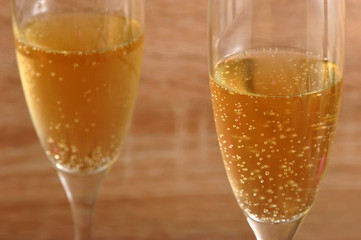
(79, 63)
(276, 73)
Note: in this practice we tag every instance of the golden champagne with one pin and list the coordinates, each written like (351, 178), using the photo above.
(80, 73)
(275, 113)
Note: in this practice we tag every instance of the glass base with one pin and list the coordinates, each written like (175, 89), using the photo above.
(275, 231)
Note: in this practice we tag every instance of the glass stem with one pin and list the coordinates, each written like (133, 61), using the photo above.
(82, 190)
(275, 231)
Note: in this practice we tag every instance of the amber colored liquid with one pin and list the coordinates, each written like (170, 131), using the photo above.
(275, 113)
(80, 73)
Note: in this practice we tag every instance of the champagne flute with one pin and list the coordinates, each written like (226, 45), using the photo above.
(80, 63)
(276, 73)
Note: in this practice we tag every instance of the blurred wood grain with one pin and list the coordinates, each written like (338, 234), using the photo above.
(169, 182)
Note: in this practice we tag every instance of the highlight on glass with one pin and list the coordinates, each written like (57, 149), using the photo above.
(276, 73)
(80, 63)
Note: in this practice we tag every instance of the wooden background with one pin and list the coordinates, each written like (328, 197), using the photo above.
(169, 182)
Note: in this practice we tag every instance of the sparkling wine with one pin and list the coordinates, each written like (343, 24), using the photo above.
(80, 73)
(275, 114)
